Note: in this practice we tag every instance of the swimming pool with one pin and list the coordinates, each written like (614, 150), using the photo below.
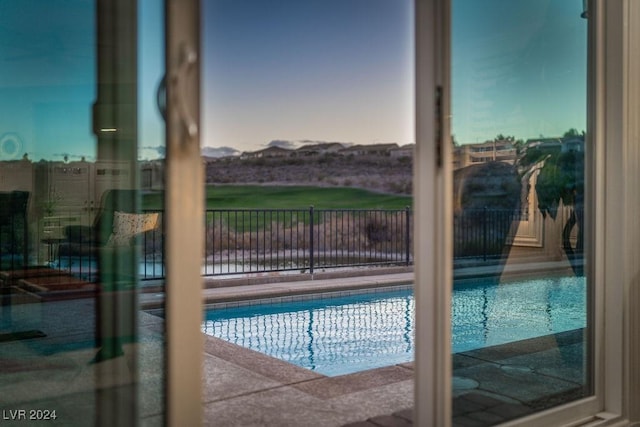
(336, 336)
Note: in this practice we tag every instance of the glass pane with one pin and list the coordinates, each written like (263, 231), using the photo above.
(521, 331)
(308, 141)
(80, 227)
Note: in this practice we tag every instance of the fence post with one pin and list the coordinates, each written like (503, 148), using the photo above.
(311, 239)
(407, 235)
(484, 233)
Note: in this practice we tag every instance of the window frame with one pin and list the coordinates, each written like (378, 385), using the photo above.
(432, 238)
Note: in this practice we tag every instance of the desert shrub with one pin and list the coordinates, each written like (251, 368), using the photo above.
(377, 231)
(335, 234)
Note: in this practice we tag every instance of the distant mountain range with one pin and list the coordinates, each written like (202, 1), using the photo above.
(308, 147)
(217, 152)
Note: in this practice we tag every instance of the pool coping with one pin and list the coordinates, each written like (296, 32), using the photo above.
(229, 291)
(296, 297)
(298, 291)
(306, 380)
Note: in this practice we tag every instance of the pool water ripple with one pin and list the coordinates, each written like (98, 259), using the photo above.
(336, 336)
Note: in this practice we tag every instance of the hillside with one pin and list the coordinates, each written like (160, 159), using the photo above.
(372, 172)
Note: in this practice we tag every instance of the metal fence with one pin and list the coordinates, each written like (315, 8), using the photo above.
(267, 240)
(242, 241)
(484, 233)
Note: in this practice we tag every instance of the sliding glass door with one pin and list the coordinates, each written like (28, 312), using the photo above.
(83, 218)
(508, 96)
(521, 320)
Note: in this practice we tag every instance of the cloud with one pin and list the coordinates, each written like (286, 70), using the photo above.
(282, 143)
(161, 150)
(219, 151)
(315, 141)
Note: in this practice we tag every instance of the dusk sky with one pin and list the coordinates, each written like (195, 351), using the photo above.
(329, 70)
(519, 68)
(47, 78)
(294, 71)
(290, 71)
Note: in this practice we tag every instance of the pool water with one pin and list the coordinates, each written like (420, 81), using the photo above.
(336, 336)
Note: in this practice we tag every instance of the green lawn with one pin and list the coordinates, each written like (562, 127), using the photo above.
(284, 197)
(299, 197)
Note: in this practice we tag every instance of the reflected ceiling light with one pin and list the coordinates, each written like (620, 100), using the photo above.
(108, 130)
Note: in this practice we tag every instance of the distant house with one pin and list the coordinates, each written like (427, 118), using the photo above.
(489, 151)
(17, 175)
(370, 149)
(402, 151)
(318, 149)
(268, 152)
(458, 157)
(573, 144)
(152, 175)
(545, 144)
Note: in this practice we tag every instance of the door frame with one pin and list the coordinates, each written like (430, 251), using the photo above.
(184, 207)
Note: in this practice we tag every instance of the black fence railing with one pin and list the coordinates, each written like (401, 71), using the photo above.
(484, 233)
(267, 240)
(243, 241)
(152, 243)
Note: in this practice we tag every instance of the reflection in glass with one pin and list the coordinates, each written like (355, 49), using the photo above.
(80, 226)
(518, 120)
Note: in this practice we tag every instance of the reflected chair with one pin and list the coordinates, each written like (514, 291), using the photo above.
(112, 233)
(110, 243)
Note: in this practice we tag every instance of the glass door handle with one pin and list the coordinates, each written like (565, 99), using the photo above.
(161, 97)
(178, 80)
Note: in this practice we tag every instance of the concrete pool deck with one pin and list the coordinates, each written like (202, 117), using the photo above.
(241, 387)
(489, 384)
(282, 394)
(245, 388)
